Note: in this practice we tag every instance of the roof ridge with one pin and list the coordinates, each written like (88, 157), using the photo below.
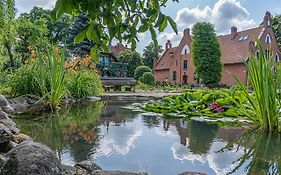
(242, 31)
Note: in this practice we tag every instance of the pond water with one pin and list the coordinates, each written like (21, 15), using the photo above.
(119, 139)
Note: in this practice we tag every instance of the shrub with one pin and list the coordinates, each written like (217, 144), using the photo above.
(84, 83)
(147, 78)
(140, 71)
(23, 81)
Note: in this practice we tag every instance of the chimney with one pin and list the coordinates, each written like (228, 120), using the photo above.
(267, 20)
(168, 45)
(233, 32)
(186, 32)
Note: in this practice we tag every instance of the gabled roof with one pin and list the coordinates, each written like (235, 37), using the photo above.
(164, 62)
(235, 49)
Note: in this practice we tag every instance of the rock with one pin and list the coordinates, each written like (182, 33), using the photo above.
(93, 98)
(3, 115)
(86, 167)
(8, 109)
(102, 172)
(26, 104)
(191, 173)
(10, 124)
(3, 161)
(3, 101)
(21, 138)
(31, 158)
(5, 135)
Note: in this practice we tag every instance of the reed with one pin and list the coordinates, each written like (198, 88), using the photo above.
(264, 77)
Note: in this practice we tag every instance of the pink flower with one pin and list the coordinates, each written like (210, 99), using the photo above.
(220, 110)
(214, 105)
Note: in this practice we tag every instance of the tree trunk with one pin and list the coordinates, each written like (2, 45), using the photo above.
(8, 47)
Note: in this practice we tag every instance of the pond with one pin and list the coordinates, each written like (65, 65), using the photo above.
(119, 139)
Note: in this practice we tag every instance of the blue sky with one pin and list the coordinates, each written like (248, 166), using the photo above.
(223, 14)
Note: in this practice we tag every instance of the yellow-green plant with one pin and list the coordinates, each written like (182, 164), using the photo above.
(264, 76)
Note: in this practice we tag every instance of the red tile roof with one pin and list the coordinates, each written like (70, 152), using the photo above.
(235, 51)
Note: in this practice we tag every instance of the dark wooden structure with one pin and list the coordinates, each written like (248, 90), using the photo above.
(116, 83)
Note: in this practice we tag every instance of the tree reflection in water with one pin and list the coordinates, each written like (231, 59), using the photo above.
(262, 150)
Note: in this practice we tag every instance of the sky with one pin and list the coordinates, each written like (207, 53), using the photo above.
(224, 14)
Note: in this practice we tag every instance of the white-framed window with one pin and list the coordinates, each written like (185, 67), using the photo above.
(185, 50)
(257, 54)
(277, 59)
(268, 39)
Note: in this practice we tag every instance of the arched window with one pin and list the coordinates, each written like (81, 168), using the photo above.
(268, 39)
(257, 54)
(185, 50)
(277, 57)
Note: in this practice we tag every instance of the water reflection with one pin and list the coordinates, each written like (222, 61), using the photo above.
(261, 150)
(116, 138)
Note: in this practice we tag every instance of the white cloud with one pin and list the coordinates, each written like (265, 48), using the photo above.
(173, 37)
(27, 5)
(141, 36)
(224, 15)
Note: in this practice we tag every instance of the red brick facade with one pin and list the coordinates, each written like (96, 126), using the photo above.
(175, 65)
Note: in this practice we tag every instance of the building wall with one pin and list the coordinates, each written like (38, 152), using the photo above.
(229, 70)
(162, 75)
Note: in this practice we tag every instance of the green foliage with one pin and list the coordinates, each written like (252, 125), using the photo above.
(24, 81)
(140, 71)
(210, 103)
(151, 53)
(147, 78)
(8, 28)
(265, 78)
(132, 58)
(206, 53)
(276, 26)
(121, 19)
(83, 84)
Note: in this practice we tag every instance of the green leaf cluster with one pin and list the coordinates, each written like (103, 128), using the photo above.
(140, 71)
(117, 19)
(132, 59)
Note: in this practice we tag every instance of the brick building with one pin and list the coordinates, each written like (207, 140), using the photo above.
(175, 65)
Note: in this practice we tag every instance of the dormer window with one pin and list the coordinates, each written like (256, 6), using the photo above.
(268, 39)
(243, 37)
(277, 58)
(185, 50)
(172, 54)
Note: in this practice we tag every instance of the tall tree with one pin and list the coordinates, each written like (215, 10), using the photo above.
(118, 19)
(206, 53)
(31, 33)
(276, 25)
(132, 59)
(8, 27)
(151, 53)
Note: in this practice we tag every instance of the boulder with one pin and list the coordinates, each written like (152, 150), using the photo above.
(3, 101)
(21, 138)
(32, 158)
(26, 104)
(5, 135)
(10, 124)
(3, 161)
(102, 172)
(85, 167)
(8, 109)
(3, 115)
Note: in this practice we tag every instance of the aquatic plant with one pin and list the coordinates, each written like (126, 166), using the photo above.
(211, 103)
(264, 103)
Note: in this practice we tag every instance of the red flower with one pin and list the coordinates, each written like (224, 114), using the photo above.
(220, 110)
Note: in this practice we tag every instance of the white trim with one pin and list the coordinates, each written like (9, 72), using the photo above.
(185, 50)
(261, 33)
(268, 37)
